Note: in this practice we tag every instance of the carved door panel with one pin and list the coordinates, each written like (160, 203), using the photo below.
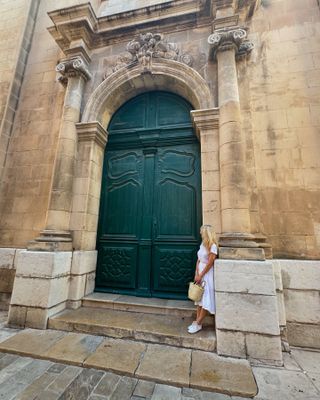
(150, 210)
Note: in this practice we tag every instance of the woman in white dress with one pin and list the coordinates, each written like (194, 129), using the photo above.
(204, 274)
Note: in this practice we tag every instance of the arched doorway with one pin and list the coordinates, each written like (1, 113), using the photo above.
(150, 209)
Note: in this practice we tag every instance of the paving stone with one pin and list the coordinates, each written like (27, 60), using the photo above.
(14, 367)
(6, 333)
(73, 348)
(21, 379)
(283, 385)
(36, 387)
(82, 386)
(315, 378)
(308, 360)
(191, 393)
(57, 368)
(164, 392)
(124, 388)
(7, 359)
(144, 389)
(64, 379)
(165, 364)
(32, 342)
(215, 396)
(290, 363)
(107, 384)
(120, 356)
(220, 374)
(97, 397)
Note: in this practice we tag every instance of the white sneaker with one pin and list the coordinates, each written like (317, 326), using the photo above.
(195, 328)
(193, 323)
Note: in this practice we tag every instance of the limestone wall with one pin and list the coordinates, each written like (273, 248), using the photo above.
(281, 109)
(30, 156)
(109, 7)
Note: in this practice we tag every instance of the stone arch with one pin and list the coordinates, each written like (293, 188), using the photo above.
(165, 74)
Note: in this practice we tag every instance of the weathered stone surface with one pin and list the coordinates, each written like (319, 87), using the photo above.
(107, 384)
(124, 389)
(6, 280)
(77, 287)
(165, 364)
(83, 262)
(264, 348)
(276, 264)
(73, 348)
(247, 313)
(231, 343)
(31, 342)
(64, 379)
(304, 335)
(300, 274)
(119, 356)
(239, 277)
(7, 258)
(43, 264)
(165, 392)
(144, 389)
(302, 306)
(284, 385)
(308, 360)
(224, 375)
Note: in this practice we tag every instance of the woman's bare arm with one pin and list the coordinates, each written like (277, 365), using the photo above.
(207, 268)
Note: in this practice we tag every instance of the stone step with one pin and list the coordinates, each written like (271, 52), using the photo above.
(149, 305)
(153, 362)
(154, 328)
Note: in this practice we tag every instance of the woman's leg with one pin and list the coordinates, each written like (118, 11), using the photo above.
(201, 316)
(199, 308)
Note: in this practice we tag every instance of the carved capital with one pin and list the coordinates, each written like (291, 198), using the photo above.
(230, 38)
(73, 67)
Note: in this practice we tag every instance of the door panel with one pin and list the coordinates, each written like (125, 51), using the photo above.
(150, 210)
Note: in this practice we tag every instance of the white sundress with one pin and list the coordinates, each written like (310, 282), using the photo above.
(207, 301)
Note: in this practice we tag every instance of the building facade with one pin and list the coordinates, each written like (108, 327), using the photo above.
(125, 125)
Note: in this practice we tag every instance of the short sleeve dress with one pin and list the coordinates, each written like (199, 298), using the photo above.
(208, 300)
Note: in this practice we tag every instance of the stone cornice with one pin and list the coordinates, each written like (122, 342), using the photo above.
(92, 131)
(81, 22)
(226, 38)
(205, 120)
(73, 67)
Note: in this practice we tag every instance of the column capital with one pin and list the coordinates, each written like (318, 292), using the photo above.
(92, 132)
(206, 119)
(71, 67)
(230, 38)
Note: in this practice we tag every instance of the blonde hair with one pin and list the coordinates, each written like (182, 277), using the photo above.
(208, 236)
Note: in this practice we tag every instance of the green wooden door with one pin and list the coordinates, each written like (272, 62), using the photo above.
(150, 210)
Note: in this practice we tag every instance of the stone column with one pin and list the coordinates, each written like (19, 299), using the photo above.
(56, 236)
(206, 123)
(236, 240)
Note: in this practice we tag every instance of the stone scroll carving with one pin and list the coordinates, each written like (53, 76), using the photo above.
(147, 47)
(72, 67)
(226, 38)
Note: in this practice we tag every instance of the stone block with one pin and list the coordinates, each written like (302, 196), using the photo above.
(281, 309)
(302, 306)
(247, 313)
(304, 335)
(43, 264)
(231, 343)
(83, 262)
(77, 287)
(300, 274)
(6, 280)
(7, 258)
(37, 318)
(264, 348)
(244, 277)
(90, 283)
(37, 292)
(17, 316)
(242, 253)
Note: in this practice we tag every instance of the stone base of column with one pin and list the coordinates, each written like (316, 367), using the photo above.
(240, 246)
(50, 240)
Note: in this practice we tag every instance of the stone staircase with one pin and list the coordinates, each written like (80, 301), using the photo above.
(140, 319)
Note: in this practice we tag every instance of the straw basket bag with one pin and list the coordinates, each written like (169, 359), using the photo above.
(195, 292)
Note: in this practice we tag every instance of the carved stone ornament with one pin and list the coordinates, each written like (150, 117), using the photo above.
(227, 38)
(73, 67)
(147, 47)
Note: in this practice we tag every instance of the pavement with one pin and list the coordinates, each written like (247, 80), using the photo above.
(68, 366)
